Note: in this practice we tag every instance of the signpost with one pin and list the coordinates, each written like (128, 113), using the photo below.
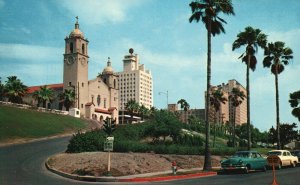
(273, 160)
(108, 147)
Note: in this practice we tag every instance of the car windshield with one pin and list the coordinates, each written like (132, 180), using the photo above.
(274, 153)
(241, 154)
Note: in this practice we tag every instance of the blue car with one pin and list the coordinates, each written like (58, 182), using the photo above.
(244, 161)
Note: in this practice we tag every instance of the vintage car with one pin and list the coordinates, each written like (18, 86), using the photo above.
(286, 158)
(244, 161)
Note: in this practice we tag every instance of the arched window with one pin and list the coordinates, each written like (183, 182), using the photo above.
(82, 47)
(114, 83)
(71, 47)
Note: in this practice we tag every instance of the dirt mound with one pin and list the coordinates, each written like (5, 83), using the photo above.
(95, 163)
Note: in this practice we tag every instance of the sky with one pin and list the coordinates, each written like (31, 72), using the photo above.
(32, 45)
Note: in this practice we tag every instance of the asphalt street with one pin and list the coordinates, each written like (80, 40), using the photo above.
(23, 164)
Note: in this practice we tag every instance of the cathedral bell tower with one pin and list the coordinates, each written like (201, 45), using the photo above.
(76, 66)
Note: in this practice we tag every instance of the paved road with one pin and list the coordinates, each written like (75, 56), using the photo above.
(24, 165)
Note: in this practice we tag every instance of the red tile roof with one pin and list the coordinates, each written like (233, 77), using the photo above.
(32, 89)
(102, 111)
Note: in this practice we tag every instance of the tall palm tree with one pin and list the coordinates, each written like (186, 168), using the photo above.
(252, 38)
(216, 98)
(185, 107)
(236, 98)
(276, 57)
(44, 95)
(15, 89)
(132, 107)
(207, 11)
(68, 98)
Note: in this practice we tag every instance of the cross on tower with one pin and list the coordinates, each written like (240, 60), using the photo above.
(76, 19)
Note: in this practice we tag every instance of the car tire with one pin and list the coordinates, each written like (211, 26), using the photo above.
(247, 169)
(279, 166)
(293, 164)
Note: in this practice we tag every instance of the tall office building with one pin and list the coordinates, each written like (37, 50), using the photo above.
(225, 114)
(135, 82)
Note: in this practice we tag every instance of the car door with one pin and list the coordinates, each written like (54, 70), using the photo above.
(285, 159)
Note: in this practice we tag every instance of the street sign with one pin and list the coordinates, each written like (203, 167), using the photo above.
(108, 145)
(273, 160)
(110, 138)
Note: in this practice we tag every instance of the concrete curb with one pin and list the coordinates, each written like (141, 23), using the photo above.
(127, 179)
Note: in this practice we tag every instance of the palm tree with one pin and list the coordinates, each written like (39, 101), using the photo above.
(207, 11)
(143, 111)
(295, 103)
(236, 98)
(132, 107)
(15, 89)
(252, 38)
(185, 106)
(216, 98)
(68, 98)
(276, 56)
(44, 95)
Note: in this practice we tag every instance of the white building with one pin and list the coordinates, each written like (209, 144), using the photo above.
(135, 82)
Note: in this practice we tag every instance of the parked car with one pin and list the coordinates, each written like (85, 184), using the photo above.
(244, 161)
(297, 154)
(286, 158)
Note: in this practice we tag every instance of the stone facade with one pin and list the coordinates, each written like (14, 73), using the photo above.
(97, 98)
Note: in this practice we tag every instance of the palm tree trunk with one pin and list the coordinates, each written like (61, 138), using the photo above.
(277, 113)
(207, 158)
(248, 104)
(233, 132)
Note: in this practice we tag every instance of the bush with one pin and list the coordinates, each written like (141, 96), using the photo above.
(86, 142)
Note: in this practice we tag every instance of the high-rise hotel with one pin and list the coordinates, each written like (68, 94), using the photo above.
(135, 82)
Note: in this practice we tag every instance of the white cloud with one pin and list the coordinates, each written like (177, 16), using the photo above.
(100, 11)
(30, 52)
(26, 30)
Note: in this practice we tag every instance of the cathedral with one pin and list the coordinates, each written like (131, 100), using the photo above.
(94, 99)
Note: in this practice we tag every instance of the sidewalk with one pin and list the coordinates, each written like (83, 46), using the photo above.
(147, 177)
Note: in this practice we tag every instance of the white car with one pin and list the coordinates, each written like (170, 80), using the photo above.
(286, 158)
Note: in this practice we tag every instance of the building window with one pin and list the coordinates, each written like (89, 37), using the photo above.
(81, 105)
(82, 84)
(71, 47)
(82, 47)
(98, 100)
(104, 103)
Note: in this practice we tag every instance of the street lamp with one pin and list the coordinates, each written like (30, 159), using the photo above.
(167, 94)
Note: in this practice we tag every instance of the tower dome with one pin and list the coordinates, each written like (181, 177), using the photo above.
(108, 69)
(76, 32)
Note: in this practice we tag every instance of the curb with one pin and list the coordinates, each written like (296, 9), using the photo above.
(122, 179)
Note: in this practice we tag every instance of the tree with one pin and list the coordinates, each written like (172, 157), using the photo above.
(276, 56)
(132, 107)
(68, 98)
(295, 104)
(252, 38)
(44, 95)
(216, 98)
(164, 123)
(15, 89)
(207, 11)
(143, 111)
(236, 98)
(2, 92)
(185, 107)
(287, 134)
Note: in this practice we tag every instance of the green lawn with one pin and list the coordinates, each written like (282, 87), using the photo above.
(18, 123)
